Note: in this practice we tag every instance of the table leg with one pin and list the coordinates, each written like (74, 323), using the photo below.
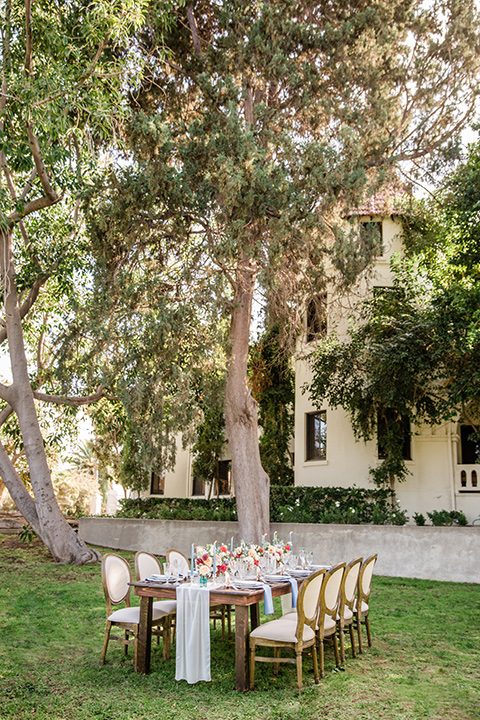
(143, 646)
(241, 647)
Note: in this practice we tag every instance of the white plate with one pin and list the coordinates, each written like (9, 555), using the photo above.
(156, 578)
(276, 578)
(247, 584)
(299, 573)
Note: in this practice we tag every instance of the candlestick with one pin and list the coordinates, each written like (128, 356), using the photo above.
(290, 541)
(192, 562)
(264, 539)
(231, 545)
(275, 537)
(214, 558)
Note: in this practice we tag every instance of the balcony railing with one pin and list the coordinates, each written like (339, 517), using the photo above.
(468, 478)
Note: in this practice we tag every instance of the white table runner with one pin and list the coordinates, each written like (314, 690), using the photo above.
(192, 661)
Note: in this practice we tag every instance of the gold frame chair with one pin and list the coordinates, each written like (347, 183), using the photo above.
(116, 576)
(285, 633)
(346, 610)
(363, 598)
(217, 612)
(327, 625)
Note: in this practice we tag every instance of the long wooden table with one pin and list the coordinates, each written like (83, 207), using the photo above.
(241, 599)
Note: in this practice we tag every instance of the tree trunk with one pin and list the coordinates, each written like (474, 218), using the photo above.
(44, 514)
(252, 484)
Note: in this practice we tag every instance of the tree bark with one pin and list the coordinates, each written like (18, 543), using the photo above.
(252, 484)
(44, 514)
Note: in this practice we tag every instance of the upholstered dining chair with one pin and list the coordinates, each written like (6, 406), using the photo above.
(363, 599)
(116, 576)
(147, 564)
(348, 596)
(179, 560)
(285, 633)
(217, 612)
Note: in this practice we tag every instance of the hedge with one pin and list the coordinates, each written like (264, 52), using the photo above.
(287, 504)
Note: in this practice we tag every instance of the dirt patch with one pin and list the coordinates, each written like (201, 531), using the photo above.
(15, 552)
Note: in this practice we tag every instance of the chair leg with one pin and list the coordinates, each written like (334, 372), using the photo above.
(229, 620)
(299, 671)
(342, 644)
(315, 664)
(359, 633)
(125, 645)
(335, 650)
(276, 666)
(223, 622)
(105, 641)
(369, 635)
(252, 666)
(166, 636)
(322, 660)
(352, 640)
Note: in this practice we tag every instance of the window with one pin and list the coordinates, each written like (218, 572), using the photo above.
(157, 484)
(372, 234)
(316, 432)
(224, 470)
(198, 489)
(469, 446)
(387, 420)
(317, 317)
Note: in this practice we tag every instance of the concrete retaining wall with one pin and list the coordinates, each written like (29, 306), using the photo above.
(432, 553)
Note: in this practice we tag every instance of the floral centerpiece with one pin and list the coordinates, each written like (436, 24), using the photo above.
(216, 559)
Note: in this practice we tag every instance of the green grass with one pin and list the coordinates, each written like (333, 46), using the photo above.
(424, 663)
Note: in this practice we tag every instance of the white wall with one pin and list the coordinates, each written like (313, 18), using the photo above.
(434, 481)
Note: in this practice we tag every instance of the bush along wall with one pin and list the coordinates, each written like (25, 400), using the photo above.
(287, 504)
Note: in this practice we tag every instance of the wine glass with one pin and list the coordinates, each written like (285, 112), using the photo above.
(168, 571)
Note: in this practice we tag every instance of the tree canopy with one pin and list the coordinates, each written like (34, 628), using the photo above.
(261, 127)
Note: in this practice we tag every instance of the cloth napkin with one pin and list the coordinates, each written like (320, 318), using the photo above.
(267, 599)
(192, 661)
(294, 586)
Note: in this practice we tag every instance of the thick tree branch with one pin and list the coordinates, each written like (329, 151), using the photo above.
(18, 491)
(27, 304)
(192, 23)
(7, 393)
(73, 401)
(40, 166)
(5, 414)
(28, 38)
(30, 207)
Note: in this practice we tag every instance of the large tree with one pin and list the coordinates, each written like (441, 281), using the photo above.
(263, 125)
(63, 67)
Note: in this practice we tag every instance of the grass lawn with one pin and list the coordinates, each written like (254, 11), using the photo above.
(424, 663)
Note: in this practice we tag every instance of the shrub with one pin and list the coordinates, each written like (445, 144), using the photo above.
(447, 517)
(287, 504)
(419, 519)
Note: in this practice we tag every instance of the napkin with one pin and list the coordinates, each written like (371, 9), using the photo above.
(267, 599)
(294, 586)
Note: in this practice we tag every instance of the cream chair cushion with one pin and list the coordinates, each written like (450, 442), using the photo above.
(132, 614)
(165, 607)
(281, 631)
(364, 607)
(330, 623)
